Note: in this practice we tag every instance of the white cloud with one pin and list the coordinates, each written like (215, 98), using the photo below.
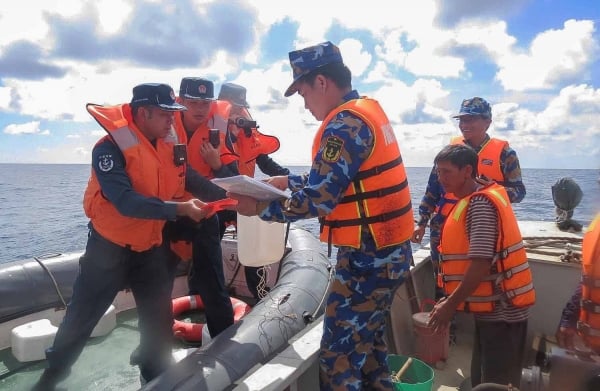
(27, 128)
(417, 68)
(554, 56)
(355, 57)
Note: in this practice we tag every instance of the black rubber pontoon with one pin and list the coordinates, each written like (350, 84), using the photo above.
(294, 301)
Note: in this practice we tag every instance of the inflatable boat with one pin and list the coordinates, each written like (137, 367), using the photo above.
(33, 294)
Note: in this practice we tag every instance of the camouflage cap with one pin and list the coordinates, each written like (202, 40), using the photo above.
(475, 106)
(306, 60)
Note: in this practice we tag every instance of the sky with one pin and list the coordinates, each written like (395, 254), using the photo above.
(536, 61)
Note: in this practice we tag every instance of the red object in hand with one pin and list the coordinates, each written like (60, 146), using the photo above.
(216, 206)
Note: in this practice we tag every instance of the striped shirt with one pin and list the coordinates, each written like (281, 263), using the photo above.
(482, 231)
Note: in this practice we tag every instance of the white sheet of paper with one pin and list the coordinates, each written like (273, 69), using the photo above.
(245, 185)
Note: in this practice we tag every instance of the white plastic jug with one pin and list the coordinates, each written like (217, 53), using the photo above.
(259, 242)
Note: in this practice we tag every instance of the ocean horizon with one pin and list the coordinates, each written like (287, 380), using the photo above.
(42, 210)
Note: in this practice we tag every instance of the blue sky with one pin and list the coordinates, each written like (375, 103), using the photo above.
(536, 61)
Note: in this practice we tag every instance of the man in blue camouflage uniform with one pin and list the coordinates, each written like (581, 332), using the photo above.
(475, 117)
(353, 352)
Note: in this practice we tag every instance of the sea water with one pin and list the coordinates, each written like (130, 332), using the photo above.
(41, 205)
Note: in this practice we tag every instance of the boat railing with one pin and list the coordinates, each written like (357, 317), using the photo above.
(295, 367)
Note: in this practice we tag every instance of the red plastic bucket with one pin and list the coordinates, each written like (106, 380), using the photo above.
(430, 346)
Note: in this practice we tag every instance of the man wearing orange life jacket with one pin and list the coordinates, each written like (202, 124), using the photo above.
(200, 242)
(497, 162)
(357, 186)
(253, 149)
(582, 313)
(135, 175)
(484, 269)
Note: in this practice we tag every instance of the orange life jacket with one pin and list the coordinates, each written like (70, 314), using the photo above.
(250, 147)
(218, 116)
(200, 135)
(510, 272)
(489, 166)
(152, 172)
(379, 195)
(589, 314)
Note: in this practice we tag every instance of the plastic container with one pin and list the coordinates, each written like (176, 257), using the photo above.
(259, 242)
(106, 324)
(418, 376)
(430, 346)
(29, 341)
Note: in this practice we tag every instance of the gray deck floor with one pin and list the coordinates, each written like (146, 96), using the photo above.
(103, 365)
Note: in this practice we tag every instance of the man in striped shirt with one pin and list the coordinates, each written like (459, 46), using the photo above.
(500, 335)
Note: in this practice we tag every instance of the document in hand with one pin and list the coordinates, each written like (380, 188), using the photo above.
(245, 185)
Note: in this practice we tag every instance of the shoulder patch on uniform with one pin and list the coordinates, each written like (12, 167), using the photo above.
(105, 163)
(333, 149)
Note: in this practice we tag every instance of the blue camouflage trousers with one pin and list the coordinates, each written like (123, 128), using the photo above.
(353, 353)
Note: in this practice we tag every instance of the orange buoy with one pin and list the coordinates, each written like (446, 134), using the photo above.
(193, 331)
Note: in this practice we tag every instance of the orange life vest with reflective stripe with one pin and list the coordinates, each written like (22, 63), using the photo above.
(589, 313)
(510, 272)
(250, 147)
(378, 195)
(218, 116)
(489, 158)
(200, 135)
(488, 166)
(152, 172)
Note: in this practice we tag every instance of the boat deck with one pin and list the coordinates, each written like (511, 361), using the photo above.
(554, 280)
(103, 365)
(456, 369)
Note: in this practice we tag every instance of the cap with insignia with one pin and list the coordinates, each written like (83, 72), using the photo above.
(234, 94)
(155, 94)
(475, 106)
(196, 88)
(306, 60)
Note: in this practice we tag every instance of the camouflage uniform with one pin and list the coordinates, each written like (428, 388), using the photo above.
(353, 353)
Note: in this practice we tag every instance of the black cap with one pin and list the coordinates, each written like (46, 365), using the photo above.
(155, 94)
(234, 94)
(196, 88)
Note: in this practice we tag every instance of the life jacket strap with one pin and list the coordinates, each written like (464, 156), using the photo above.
(377, 169)
(374, 193)
(453, 257)
(587, 330)
(590, 306)
(380, 218)
(507, 274)
(484, 299)
(590, 282)
(511, 294)
(503, 254)
(460, 277)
